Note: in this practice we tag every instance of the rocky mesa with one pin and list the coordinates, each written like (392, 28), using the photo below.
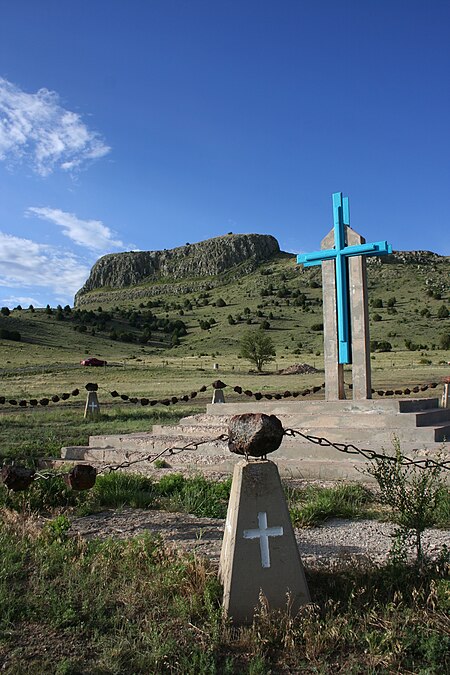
(204, 259)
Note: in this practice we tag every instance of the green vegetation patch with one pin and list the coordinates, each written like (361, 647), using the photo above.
(174, 492)
(72, 606)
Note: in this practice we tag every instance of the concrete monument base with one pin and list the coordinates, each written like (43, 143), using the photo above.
(260, 558)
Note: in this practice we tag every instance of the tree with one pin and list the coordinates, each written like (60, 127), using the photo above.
(444, 341)
(443, 312)
(5, 311)
(258, 348)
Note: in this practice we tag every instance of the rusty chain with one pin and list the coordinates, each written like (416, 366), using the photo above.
(351, 449)
(83, 476)
(173, 400)
(168, 452)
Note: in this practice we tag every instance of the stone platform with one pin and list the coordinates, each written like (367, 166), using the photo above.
(421, 426)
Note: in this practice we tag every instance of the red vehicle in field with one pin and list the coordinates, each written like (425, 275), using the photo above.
(93, 362)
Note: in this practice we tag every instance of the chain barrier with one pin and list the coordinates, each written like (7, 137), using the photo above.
(83, 476)
(217, 384)
(350, 449)
(401, 392)
(168, 452)
(33, 402)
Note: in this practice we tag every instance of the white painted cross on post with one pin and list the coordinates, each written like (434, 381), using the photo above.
(263, 533)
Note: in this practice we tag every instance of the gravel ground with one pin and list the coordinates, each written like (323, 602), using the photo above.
(337, 538)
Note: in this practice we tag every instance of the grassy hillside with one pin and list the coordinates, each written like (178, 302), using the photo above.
(147, 336)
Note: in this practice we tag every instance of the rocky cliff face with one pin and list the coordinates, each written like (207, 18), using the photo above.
(205, 259)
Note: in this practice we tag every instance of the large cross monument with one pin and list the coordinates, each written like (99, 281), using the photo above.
(345, 308)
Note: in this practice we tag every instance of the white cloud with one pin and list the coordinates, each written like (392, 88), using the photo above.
(37, 128)
(92, 234)
(26, 264)
(23, 300)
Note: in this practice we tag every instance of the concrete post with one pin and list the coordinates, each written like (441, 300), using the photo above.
(92, 408)
(334, 371)
(359, 316)
(445, 396)
(218, 396)
(260, 555)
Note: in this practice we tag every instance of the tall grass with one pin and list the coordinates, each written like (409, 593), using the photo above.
(174, 492)
(202, 497)
(71, 606)
(42, 432)
(313, 505)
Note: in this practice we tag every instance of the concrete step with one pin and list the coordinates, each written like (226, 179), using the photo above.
(288, 406)
(374, 419)
(296, 458)
(433, 417)
(442, 433)
(370, 427)
(420, 425)
(409, 405)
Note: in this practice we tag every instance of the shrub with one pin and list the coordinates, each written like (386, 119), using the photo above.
(413, 493)
(317, 327)
(10, 335)
(380, 346)
(444, 341)
(443, 312)
(377, 317)
(377, 303)
(5, 311)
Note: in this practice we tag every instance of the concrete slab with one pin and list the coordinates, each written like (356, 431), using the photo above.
(370, 424)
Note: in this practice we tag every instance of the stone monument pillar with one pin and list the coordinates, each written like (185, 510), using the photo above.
(260, 558)
(92, 408)
(345, 307)
(359, 324)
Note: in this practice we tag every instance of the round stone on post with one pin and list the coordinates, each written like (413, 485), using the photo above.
(17, 478)
(81, 477)
(254, 434)
(218, 395)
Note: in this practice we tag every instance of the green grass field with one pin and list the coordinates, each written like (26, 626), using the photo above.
(72, 607)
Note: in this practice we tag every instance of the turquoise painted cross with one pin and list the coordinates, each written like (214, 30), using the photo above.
(340, 254)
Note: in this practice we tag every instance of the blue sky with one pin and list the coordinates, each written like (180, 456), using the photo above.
(149, 123)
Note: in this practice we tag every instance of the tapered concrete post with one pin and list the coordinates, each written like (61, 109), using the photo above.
(218, 396)
(260, 556)
(92, 408)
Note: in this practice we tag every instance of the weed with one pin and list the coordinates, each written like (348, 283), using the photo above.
(160, 464)
(120, 606)
(414, 494)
